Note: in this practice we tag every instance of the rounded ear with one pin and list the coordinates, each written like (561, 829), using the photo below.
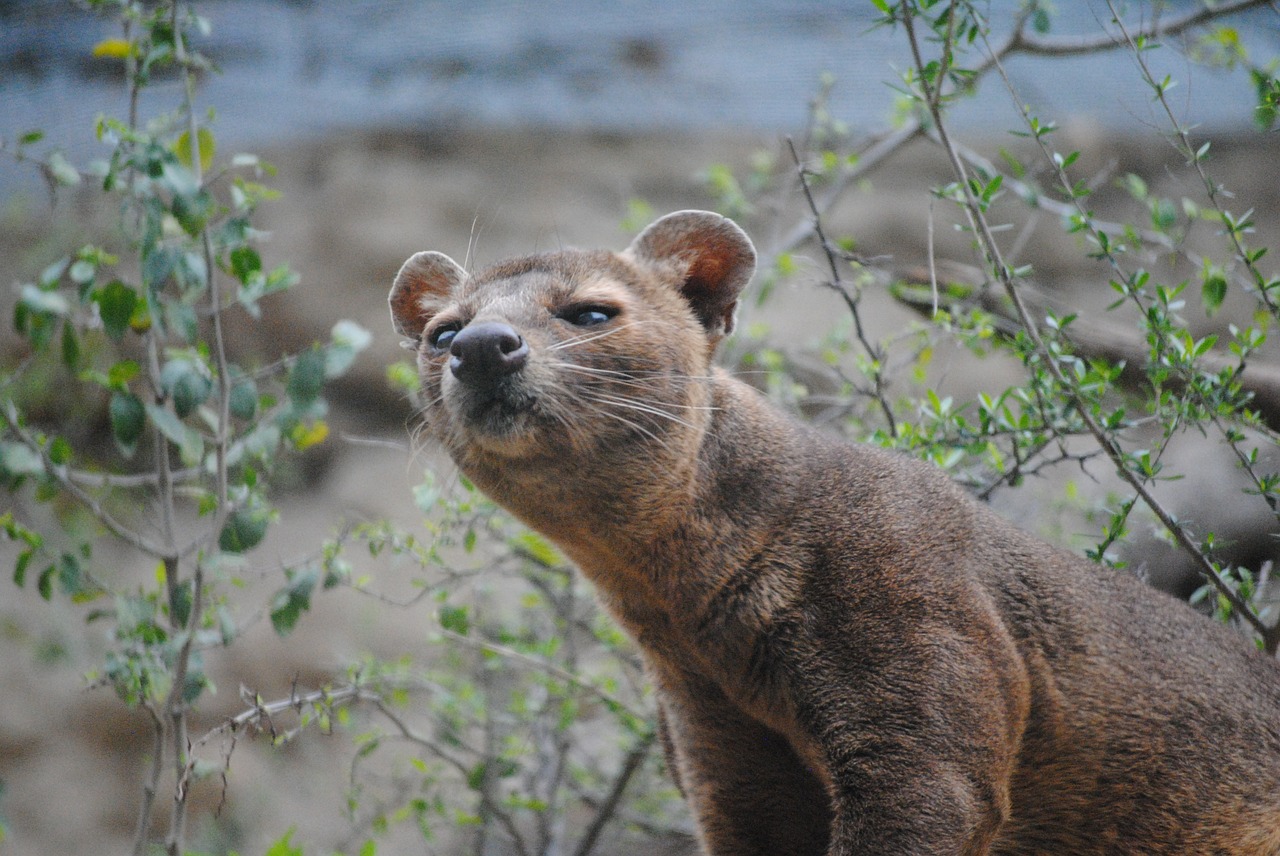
(711, 257)
(424, 281)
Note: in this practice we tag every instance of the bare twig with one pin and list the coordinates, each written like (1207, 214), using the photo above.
(609, 806)
(550, 668)
(850, 299)
(152, 782)
(1059, 46)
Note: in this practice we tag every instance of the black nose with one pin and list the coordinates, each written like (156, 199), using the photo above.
(485, 353)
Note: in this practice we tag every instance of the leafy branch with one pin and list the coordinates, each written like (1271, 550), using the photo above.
(974, 197)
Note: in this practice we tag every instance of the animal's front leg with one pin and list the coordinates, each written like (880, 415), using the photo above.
(920, 741)
(749, 792)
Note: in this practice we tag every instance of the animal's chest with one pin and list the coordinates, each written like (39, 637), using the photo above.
(742, 665)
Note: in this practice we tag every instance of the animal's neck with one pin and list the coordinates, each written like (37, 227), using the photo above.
(668, 529)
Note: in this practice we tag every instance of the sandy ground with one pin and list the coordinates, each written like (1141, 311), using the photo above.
(354, 207)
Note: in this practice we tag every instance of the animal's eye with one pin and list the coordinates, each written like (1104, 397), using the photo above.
(441, 337)
(589, 316)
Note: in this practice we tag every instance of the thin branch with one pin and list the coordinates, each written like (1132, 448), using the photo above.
(497, 811)
(877, 152)
(1033, 198)
(152, 783)
(59, 474)
(609, 806)
(1096, 338)
(130, 480)
(1060, 46)
(544, 666)
(850, 300)
(260, 712)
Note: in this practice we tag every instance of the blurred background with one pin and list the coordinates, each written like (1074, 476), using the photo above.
(484, 129)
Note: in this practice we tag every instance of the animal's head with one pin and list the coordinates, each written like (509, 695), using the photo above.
(573, 356)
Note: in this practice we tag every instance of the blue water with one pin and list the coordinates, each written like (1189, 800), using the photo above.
(302, 68)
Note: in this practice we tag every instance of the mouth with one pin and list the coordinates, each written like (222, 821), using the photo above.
(496, 419)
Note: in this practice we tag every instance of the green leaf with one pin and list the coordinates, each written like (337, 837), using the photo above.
(283, 847)
(128, 417)
(169, 424)
(45, 583)
(179, 179)
(17, 460)
(188, 383)
(1214, 290)
(116, 302)
(20, 568)
(294, 599)
(60, 451)
(157, 266)
(51, 275)
(180, 600)
(82, 271)
(205, 144)
(403, 377)
(195, 682)
(122, 372)
(70, 346)
(307, 378)
(113, 48)
(243, 403)
(455, 618)
(70, 574)
(349, 339)
(44, 302)
(189, 444)
(538, 549)
(1164, 214)
(181, 319)
(245, 262)
(192, 211)
(1268, 109)
(304, 435)
(244, 529)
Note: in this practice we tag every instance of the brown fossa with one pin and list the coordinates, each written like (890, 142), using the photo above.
(851, 656)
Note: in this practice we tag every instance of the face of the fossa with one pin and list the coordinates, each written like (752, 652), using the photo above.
(573, 362)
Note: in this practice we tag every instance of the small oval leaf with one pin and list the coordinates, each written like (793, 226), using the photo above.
(128, 417)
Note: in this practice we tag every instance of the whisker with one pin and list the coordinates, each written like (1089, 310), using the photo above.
(624, 380)
(634, 375)
(638, 407)
(636, 426)
(592, 337)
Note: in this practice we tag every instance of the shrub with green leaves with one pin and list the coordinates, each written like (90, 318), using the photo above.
(131, 332)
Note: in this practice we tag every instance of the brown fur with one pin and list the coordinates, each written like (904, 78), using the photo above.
(851, 655)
